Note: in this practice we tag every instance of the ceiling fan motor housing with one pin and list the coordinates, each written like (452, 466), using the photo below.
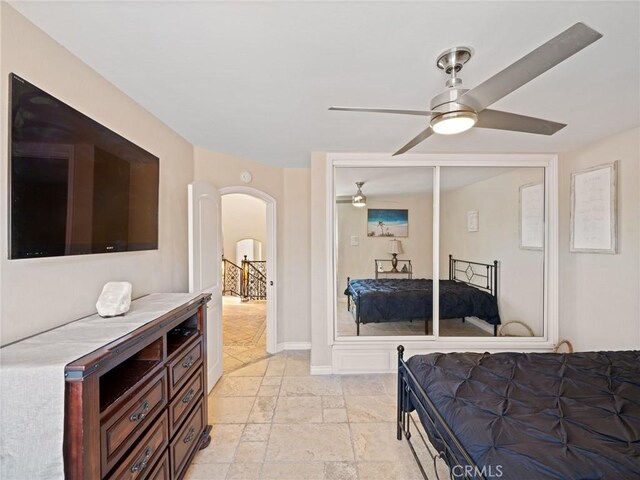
(446, 102)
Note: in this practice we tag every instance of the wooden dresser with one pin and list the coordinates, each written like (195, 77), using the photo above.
(136, 408)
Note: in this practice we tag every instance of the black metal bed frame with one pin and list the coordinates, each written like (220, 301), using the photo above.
(490, 276)
(420, 400)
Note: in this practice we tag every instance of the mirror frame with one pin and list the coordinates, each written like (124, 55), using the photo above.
(433, 342)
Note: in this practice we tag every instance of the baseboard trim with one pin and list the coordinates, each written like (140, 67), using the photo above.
(481, 324)
(294, 346)
(321, 370)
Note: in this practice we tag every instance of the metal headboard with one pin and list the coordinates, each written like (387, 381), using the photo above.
(479, 275)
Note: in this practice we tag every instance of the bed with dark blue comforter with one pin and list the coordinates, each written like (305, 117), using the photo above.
(390, 299)
(533, 415)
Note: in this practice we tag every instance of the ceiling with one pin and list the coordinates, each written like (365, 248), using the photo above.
(255, 79)
(394, 181)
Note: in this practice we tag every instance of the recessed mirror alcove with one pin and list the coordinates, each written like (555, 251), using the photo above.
(440, 251)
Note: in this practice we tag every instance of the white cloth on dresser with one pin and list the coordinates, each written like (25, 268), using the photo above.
(32, 385)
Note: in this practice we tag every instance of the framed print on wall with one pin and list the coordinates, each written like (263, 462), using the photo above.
(594, 209)
(472, 221)
(532, 216)
(387, 223)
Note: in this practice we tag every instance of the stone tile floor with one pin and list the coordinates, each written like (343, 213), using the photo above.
(272, 420)
(243, 332)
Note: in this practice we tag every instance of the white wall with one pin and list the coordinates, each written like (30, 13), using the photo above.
(243, 216)
(600, 293)
(521, 272)
(222, 170)
(358, 261)
(38, 294)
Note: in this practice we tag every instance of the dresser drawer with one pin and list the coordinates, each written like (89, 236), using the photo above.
(186, 440)
(161, 470)
(185, 399)
(124, 426)
(181, 368)
(147, 451)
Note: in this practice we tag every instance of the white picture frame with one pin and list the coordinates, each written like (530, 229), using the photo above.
(594, 210)
(472, 221)
(531, 213)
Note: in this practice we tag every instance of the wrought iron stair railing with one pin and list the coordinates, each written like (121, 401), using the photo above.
(249, 281)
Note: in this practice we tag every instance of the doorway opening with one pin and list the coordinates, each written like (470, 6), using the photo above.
(248, 264)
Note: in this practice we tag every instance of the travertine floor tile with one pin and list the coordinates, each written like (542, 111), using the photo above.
(292, 471)
(297, 367)
(276, 366)
(376, 442)
(229, 409)
(262, 411)
(269, 390)
(270, 381)
(237, 386)
(298, 410)
(311, 442)
(244, 471)
(333, 401)
(312, 385)
(272, 424)
(340, 471)
(334, 415)
(207, 471)
(256, 432)
(363, 384)
(250, 452)
(255, 369)
(390, 470)
(371, 408)
(224, 441)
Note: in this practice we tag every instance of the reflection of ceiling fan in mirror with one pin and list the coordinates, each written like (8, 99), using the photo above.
(359, 199)
(458, 109)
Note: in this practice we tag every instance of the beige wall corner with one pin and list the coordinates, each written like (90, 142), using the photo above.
(289, 187)
(38, 294)
(320, 348)
(297, 261)
(600, 293)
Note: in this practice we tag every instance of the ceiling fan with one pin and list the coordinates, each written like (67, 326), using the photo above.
(458, 109)
(359, 199)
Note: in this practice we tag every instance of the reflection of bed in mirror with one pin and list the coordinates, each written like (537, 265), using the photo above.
(471, 291)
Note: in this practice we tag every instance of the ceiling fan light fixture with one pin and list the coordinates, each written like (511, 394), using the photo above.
(453, 122)
(359, 199)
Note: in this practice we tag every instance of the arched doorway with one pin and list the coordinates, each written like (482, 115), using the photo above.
(235, 305)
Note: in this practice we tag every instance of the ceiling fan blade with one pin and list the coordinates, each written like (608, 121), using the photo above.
(530, 66)
(517, 123)
(423, 135)
(424, 113)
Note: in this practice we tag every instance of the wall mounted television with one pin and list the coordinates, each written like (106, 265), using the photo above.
(76, 187)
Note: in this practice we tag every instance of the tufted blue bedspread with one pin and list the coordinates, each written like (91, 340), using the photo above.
(391, 299)
(539, 415)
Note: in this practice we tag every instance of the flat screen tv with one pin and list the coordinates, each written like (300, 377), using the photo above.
(76, 187)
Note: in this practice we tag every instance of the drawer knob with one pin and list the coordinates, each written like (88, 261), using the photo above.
(190, 436)
(189, 396)
(144, 409)
(142, 461)
(188, 362)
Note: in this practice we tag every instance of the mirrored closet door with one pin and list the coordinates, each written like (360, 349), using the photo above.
(492, 231)
(491, 258)
(384, 251)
